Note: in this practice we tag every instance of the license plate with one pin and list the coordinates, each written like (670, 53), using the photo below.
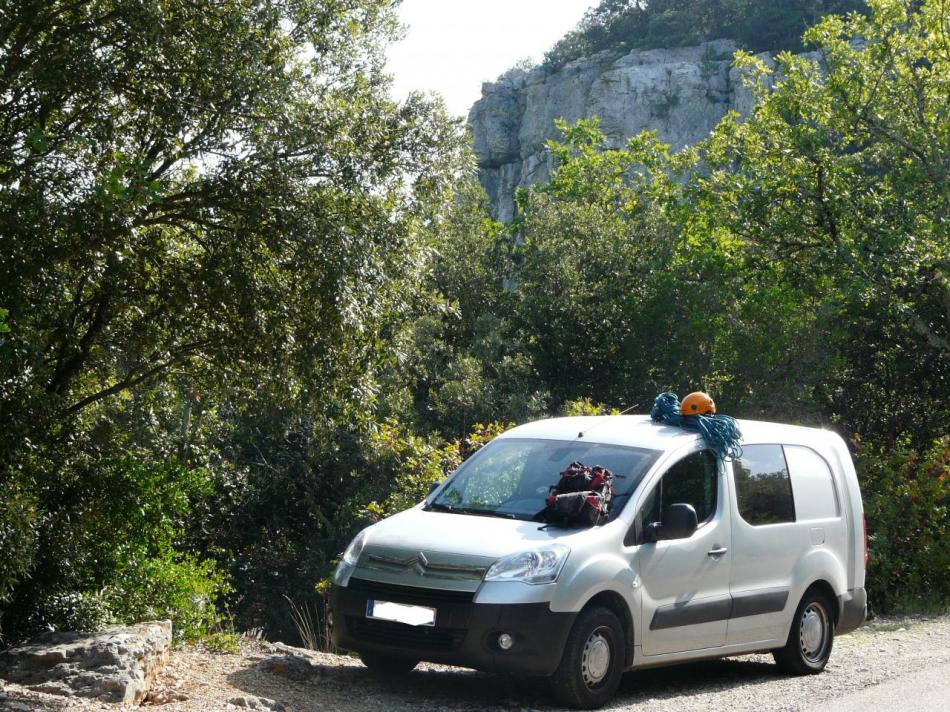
(400, 613)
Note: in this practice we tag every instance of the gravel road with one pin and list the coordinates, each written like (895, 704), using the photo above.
(904, 663)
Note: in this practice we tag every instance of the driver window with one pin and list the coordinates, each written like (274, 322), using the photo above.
(693, 480)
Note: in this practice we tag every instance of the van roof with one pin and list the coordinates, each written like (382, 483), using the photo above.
(641, 431)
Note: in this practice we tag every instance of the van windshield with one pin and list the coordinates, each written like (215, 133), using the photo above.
(511, 477)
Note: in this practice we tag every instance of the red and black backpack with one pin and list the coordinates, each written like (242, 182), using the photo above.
(581, 496)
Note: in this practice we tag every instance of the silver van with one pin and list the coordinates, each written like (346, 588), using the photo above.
(699, 558)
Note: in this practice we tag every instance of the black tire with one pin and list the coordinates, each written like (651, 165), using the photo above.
(811, 637)
(384, 664)
(584, 679)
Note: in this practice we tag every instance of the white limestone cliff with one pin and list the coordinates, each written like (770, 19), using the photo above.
(682, 93)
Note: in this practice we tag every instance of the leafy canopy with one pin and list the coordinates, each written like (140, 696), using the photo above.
(209, 212)
(622, 25)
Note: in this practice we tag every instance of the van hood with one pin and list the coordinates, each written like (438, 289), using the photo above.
(469, 534)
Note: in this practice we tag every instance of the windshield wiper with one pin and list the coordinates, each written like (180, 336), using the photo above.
(439, 506)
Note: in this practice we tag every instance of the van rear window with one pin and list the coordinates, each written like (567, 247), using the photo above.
(815, 495)
(763, 487)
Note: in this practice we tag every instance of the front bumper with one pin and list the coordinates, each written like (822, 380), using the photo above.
(465, 633)
(853, 609)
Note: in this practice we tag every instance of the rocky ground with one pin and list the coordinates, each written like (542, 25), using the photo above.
(880, 663)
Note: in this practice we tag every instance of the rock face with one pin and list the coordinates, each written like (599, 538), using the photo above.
(682, 93)
(117, 664)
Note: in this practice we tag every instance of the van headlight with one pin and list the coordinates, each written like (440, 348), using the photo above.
(351, 557)
(533, 566)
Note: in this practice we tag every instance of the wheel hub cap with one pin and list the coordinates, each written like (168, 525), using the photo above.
(812, 632)
(596, 659)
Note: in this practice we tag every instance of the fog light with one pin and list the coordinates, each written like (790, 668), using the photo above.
(505, 641)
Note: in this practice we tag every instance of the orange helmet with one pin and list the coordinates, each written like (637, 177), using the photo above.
(698, 403)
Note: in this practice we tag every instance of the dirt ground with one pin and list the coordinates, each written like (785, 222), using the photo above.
(870, 663)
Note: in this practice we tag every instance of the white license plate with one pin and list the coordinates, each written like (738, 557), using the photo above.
(400, 613)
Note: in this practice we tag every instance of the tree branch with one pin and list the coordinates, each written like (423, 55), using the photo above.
(133, 379)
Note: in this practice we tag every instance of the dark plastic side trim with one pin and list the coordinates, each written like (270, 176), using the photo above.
(707, 610)
(754, 604)
(719, 608)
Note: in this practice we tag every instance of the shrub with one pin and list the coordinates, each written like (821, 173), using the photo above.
(18, 533)
(73, 610)
(184, 589)
(420, 463)
(223, 641)
(586, 406)
(18, 538)
(907, 502)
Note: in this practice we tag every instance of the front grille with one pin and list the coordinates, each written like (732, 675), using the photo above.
(405, 636)
(431, 597)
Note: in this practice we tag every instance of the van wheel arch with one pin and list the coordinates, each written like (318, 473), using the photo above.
(616, 603)
(824, 588)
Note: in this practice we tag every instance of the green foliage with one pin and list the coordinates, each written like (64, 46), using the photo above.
(212, 225)
(419, 464)
(464, 361)
(222, 642)
(107, 552)
(181, 588)
(907, 504)
(19, 524)
(758, 25)
(837, 185)
(82, 611)
(585, 406)
(610, 303)
(239, 303)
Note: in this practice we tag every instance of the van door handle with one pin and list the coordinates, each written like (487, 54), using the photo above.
(717, 552)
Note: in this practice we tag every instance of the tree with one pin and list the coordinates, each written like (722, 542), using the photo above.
(838, 183)
(200, 204)
(616, 303)
(185, 184)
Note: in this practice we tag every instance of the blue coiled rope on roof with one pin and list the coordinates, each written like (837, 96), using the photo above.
(720, 432)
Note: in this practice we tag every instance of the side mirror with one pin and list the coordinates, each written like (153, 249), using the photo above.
(434, 486)
(679, 522)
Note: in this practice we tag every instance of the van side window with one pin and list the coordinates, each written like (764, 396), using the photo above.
(763, 487)
(815, 496)
(693, 481)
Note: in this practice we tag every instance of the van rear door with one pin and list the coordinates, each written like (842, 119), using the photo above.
(768, 543)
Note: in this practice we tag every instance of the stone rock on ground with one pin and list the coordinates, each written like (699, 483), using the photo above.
(117, 664)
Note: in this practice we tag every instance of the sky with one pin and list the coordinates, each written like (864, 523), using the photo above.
(452, 46)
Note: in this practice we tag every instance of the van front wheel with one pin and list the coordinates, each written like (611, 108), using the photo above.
(809, 641)
(592, 663)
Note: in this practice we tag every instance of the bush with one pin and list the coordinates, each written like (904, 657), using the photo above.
(184, 589)
(224, 641)
(18, 534)
(907, 502)
(74, 610)
(420, 463)
(112, 547)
